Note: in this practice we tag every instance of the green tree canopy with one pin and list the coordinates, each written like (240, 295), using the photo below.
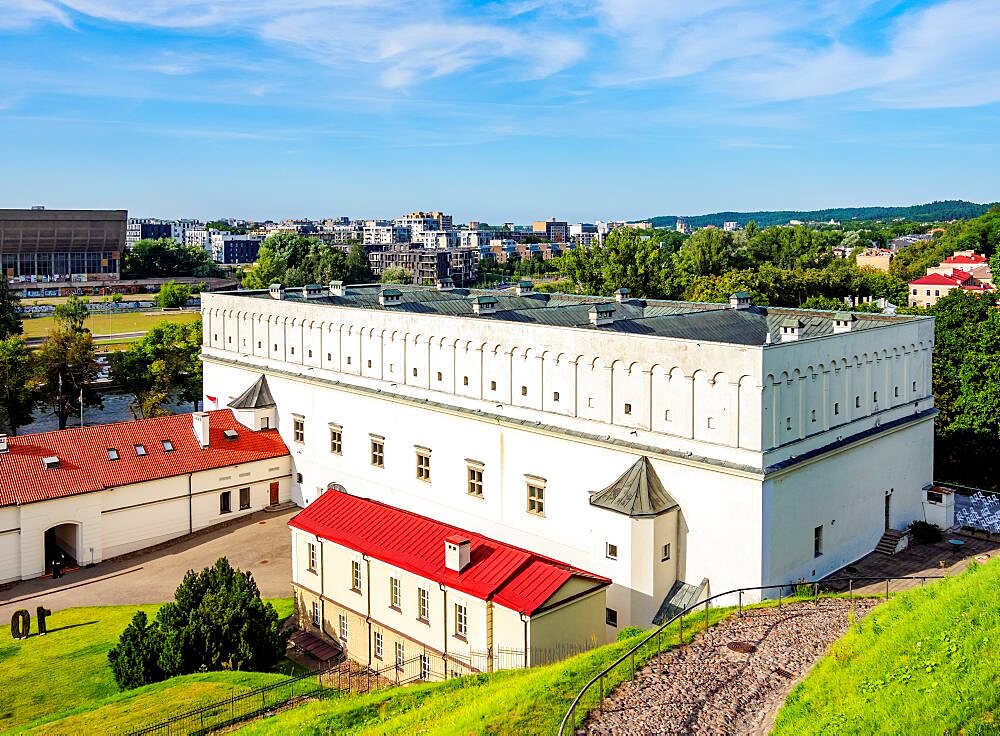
(166, 257)
(625, 259)
(72, 314)
(10, 320)
(359, 269)
(135, 660)
(173, 295)
(66, 368)
(396, 275)
(162, 367)
(269, 269)
(18, 390)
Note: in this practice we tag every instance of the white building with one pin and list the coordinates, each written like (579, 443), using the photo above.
(660, 444)
(95, 493)
(385, 234)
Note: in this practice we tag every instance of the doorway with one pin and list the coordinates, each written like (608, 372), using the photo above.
(274, 493)
(62, 544)
(888, 510)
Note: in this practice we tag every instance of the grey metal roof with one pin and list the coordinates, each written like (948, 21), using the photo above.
(258, 396)
(637, 493)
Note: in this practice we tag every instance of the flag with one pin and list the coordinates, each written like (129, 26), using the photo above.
(213, 399)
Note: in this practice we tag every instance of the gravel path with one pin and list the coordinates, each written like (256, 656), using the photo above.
(708, 688)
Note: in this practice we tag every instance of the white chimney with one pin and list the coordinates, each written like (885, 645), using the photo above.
(445, 284)
(200, 421)
(484, 304)
(389, 297)
(843, 322)
(791, 329)
(457, 552)
(3, 443)
(622, 295)
(602, 314)
(524, 288)
(277, 291)
(739, 300)
(336, 288)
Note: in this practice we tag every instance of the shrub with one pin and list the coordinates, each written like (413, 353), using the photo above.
(173, 295)
(135, 659)
(925, 533)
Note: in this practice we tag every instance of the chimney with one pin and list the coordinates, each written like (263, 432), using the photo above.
(791, 329)
(312, 291)
(3, 443)
(524, 288)
(200, 421)
(277, 291)
(445, 284)
(390, 297)
(336, 288)
(843, 322)
(622, 295)
(484, 305)
(739, 300)
(602, 314)
(457, 552)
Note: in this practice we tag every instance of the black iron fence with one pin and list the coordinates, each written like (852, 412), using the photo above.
(592, 694)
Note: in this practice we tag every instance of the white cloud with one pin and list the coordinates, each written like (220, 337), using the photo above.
(16, 14)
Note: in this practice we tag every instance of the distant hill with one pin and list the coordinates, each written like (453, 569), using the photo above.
(933, 212)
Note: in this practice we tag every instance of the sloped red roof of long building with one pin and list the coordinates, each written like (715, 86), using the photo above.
(513, 577)
(84, 465)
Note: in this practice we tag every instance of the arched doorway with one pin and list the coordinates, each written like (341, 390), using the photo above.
(62, 547)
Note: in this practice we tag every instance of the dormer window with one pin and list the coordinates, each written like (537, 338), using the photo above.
(112, 453)
(168, 446)
(230, 434)
(51, 462)
(140, 450)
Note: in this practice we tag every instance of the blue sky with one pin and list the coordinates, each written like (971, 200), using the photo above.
(496, 110)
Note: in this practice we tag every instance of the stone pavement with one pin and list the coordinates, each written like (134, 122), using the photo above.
(260, 543)
(708, 688)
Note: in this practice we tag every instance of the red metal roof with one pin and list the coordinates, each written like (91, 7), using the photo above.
(513, 577)
(936, 279)
(84, 465)
(974, 258)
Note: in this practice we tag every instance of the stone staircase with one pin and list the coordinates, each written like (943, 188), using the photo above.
(889, 542)
(279, 507)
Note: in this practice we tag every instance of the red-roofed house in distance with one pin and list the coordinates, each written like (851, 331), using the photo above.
(404, 593)
(94, 493)
(964, 269)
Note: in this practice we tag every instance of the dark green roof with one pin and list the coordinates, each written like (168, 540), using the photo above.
(637, 493)
(258, 396)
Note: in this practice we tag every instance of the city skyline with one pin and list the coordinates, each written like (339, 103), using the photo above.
(496, 111)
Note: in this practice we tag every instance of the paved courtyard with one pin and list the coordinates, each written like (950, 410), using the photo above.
(260, 543)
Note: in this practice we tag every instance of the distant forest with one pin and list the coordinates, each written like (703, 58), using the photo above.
(933, 212)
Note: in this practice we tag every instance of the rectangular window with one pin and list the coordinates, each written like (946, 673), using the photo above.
(875, 396)
(836, 408)
(439, 375)
(788, 423)
(369, 364)
(818, 541)
(423, 466)
(355, 576)
(316, 614)
(336, 441)
(378, 454)
(394, 593)
(555, 396)
(465, 380)
(414, 372)
(493, 385)
(536, 499)
(298, 429)
(343, 627)
(113, 453)
(611, 617)
(400, 656)
(265, 422)
(812, 415)
(524, 390)
(168, 446)
(857, 402)
(378, 645)
(611, 551)
(312, 557)
(225, 502)
(423, 604)
(895, 391)
(425, 667)
(475, 482)
(628, 408)
(244, 499)
(140, 450)
(914, 385)
(461, 621)
(665, 553)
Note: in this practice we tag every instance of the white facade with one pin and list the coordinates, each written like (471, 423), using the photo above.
(758, 444)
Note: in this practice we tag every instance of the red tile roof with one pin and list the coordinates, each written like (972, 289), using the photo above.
(974, 258)
(936, 279)
(513, 577)
(83, 455)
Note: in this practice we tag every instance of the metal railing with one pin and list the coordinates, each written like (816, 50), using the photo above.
(569, 720)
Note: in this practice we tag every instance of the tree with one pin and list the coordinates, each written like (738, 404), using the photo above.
(396, 275)
(708, 252)
(10, 320)
(18, 395)
(626, 259)
(65, 371)
(135, 659)
(359, 269)
(269, 269)
(173, 295)
(162, 367)
(166, 257)
(72, 314)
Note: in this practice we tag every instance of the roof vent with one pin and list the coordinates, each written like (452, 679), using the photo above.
(739, 300)
(445, 284)
(457, 552)
(277, 291)
(524, 288)
(622, 295)
(231, 434)
(602, 314)
(390, 297)
(484, 305)
(336, 288)
(3, 443)
(51, 462)
(791, 329)
(843, 322)
(313, 291)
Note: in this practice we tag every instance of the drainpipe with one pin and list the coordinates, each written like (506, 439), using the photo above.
(322, 596)
(489, 636)
(190, 511)
(444, 623)
(368, 600)
(525, 619)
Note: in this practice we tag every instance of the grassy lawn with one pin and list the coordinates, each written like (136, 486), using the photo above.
(103, 324)
(65, 674)
(922, 663)
(30, 300)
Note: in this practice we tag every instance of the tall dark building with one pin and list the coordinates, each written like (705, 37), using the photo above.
(60, 245)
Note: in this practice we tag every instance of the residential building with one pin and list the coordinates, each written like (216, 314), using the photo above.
(877, 258)
(554, 230)
(230, 248)
(966, 270)
(146, 228)
(379, 580)
(62, 245)
(385, 234)
(99, 492)
(731, 226)
(428, 265)
(659, 444)
(417, 222)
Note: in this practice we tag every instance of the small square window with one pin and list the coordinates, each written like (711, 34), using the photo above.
(112, 453)
(611, 617)
(299, 429)
(244, 499)
(140, 450)
(628, 408)
(536, 499)
(524, 390)
(465, 380)
(475, 482)
(665, 553)
(168, 446)
(555, 396)
(440, 377)
(611, 551)
(378, 454)
(493, 385)
(336, 441)
(423, 466)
